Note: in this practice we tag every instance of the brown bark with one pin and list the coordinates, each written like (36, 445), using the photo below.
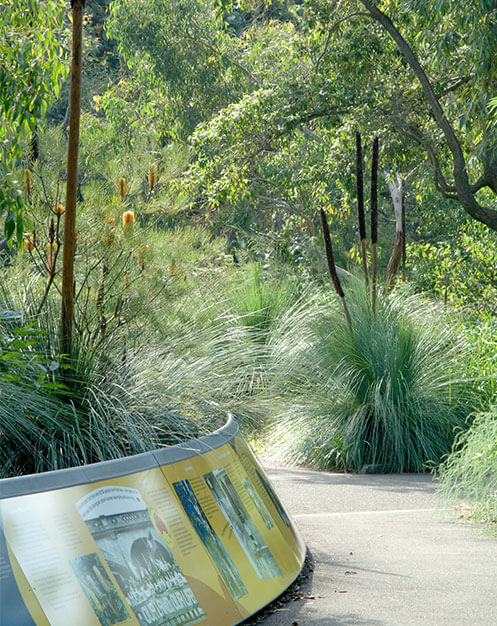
(403, 221)
(72, 179)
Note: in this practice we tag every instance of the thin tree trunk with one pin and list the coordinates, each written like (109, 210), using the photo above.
(463, 188)
(72, 179)
(404, 256)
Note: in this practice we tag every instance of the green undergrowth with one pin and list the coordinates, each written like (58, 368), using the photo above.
(391, 391)
(468, 477)
(160, 374)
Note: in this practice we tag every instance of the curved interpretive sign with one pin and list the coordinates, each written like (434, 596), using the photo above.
(191, 534)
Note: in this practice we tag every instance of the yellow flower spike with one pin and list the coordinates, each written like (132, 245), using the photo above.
(142, 253)
(128, 219)
(59, 209)
(28, 243)
(126, 281)
(28, 183)
(110, 231)
(50, 255)
(152, 175)
(121, 185)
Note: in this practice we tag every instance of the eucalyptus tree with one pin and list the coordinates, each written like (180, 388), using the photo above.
(460, 41)
(270, 108)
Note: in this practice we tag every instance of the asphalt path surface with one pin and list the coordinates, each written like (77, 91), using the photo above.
(385, 552)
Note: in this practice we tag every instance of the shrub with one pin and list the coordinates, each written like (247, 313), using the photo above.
(470, 471)
(389, 392)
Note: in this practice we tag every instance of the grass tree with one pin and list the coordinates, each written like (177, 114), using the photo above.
(389, 391)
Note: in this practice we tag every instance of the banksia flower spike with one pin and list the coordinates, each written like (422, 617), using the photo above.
(28, 243)
(128, 219)
(110, 231)
(121, 185)
(152, 175)
(28, 182)
(142, 254)
(50, 256)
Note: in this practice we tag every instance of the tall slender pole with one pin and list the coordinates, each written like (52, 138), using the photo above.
(374, 220)
(77, 7)
(360, 207)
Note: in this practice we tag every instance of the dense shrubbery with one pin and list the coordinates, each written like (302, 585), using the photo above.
(470, 472)
(391, 391)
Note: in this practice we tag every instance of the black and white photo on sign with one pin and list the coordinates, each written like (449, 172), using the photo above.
(142, 564)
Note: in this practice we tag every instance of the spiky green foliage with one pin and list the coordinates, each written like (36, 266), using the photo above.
(159, 377)
(470, 471)
(390, 391)
(112, 404)
(260, 301)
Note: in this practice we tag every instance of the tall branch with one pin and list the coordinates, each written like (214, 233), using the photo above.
(463, 188)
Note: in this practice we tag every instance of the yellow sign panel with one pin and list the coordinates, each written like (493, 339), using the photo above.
(202, 540)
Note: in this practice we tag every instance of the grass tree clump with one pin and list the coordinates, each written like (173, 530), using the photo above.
(149, 381)
(132, 393)
(470, 471)
(112, 403)
(259, 301)
(389, 390)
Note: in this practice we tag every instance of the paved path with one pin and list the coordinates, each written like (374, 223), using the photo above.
(385, 553)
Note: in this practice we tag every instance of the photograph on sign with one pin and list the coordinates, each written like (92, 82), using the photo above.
(249, 462)
(258, 503)
(243, 527)
(273, 497)
(99, 589)
(209, 538)
(142, 564)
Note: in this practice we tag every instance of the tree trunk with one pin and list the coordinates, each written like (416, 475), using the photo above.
(396, 187)
(72, 179)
